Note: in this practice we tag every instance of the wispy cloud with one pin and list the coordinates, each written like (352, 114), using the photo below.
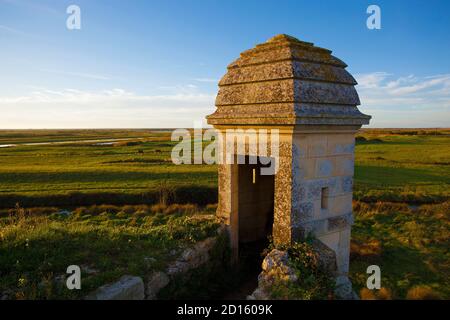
(107, 108)
(34, 6)
(381, 89)
(107, 96)
(407, 100)
(14, 31)
(77, 74)
(371, 80)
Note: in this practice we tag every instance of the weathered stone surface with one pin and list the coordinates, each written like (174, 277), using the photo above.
(347, 184)
(326, 256)
(193, 257)
(156, 282)
(304, 211)
(344, 289)
(341, 222)
(177, 267)
(274, 268)
(126, 288)
(287, 69)
(305, 93)
(293, 81)
(274, 259)
(259, 294)
(284, 47)
(88, 269)
(6, 295)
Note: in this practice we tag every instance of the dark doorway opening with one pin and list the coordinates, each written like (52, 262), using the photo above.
(255, 202)
(255, 221)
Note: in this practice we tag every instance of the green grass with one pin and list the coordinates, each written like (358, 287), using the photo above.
(37, 248)
(388, 166)
(41, 174)
(313, 281)
(410, 246)
(399, 166)
(39, 136)
(402, 168)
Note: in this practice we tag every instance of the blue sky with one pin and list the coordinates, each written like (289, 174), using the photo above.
(156, 63)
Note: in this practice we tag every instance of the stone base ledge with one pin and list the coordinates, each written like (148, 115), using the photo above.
(131, 287)
(126, 288)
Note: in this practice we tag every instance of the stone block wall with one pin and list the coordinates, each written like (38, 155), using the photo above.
(322, 203)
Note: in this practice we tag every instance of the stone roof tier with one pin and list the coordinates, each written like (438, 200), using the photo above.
(287, 81)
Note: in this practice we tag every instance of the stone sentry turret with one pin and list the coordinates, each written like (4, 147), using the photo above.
(305, 93)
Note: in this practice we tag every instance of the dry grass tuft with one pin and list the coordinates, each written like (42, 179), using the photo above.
(422, 293)
(181, 208)
(366, 294)
(382, 294)
(371, 248)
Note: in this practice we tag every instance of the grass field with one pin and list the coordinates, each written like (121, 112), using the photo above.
(388, 167)
(402, 181)
(40, 136)
(410, 245)
(87, 173)
(401, 167)
(107, 242)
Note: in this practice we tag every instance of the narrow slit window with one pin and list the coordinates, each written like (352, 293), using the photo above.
(254, 176)
(324, 198)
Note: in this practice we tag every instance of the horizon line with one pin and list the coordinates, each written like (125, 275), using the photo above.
(171, 128)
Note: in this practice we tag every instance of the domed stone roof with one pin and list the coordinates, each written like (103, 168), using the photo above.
(287, 81)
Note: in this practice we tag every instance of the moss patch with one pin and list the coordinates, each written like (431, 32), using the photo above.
(313, 281)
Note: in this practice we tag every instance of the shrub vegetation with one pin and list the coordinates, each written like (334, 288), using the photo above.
(105, 241)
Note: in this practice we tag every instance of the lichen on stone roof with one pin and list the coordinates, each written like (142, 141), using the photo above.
(286, 74)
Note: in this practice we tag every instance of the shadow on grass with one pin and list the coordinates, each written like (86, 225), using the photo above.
(49, 256)
(403, 265)
(185, 194)
(392, 176)
(98, 176)
(34, 257)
